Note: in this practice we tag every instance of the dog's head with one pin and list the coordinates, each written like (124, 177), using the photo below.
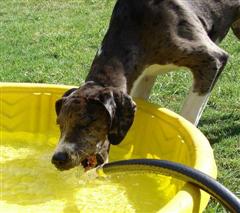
(90, 119)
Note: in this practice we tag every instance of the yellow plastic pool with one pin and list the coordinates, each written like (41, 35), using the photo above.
(30, 183)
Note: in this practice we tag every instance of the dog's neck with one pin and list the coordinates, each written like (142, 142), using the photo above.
(116, 69)
(108, 73)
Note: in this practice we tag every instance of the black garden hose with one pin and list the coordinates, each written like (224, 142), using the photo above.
(182, 172)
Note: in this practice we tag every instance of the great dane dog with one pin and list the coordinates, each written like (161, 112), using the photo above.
(145, 38)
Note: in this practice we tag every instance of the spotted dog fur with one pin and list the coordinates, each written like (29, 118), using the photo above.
(90, 118)
(142, 33)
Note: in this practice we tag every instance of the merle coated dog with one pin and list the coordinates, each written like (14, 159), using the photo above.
(145, 38)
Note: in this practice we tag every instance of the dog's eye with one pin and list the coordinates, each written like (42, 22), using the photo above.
(88, 118)
(82, 126)
(85, 121)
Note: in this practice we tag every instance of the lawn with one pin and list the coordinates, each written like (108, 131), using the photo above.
(55, 41)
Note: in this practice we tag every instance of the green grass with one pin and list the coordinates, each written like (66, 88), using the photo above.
(55, 42)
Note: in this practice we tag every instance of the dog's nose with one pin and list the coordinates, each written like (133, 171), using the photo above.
(60, 158)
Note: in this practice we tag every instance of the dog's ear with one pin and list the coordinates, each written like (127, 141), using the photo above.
(120, 108)
(104, 98)
(59, 103)
(123, 117)
(58, 106)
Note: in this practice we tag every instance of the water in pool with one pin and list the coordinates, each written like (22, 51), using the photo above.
(30, 183)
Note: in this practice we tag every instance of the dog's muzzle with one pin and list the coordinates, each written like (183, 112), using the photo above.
(63, 161)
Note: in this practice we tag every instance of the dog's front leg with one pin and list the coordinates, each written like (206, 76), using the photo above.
(210, 64)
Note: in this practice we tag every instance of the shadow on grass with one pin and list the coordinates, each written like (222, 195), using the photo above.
(217, 127)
